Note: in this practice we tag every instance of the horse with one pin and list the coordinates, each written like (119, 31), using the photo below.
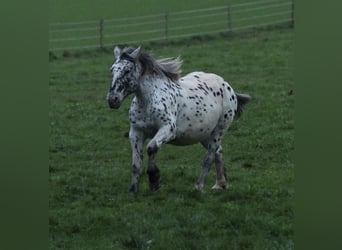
(167, 108)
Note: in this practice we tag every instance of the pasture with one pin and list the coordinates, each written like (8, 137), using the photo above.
(90, 156)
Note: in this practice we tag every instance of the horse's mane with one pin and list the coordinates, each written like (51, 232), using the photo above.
(169, 67)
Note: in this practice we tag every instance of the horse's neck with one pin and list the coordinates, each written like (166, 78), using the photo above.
(149, 87)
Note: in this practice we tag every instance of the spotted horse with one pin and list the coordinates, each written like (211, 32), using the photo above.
(196, 108)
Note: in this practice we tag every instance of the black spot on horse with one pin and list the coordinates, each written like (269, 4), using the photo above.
(230, 112)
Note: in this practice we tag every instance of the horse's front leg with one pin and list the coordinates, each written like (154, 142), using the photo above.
(137, 139)
(164, 135)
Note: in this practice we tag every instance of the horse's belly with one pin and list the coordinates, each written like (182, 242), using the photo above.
(187, 140)
(196, 121)
(192, 132)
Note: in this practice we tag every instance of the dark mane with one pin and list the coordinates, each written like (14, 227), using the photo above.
(168, 67)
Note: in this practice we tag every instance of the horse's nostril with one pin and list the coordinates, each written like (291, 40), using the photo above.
(114, 102)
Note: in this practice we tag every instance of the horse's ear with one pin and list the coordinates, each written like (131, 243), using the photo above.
(135, 53)
(117, 52)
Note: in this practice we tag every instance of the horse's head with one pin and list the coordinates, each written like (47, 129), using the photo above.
(126, 72)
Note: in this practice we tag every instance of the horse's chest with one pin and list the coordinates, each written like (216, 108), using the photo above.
(141, 119)
(148, 119)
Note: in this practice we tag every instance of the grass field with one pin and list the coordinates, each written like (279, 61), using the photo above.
(90, 161)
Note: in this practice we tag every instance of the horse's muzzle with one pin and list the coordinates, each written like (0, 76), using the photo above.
(114, 102)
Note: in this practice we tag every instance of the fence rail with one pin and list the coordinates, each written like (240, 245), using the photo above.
(169, 25)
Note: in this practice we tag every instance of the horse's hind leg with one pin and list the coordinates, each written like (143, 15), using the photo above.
(214, 154)
(207, 162)
(213, 145)
(221, 179)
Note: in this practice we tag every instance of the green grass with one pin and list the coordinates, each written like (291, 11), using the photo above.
(90, 157)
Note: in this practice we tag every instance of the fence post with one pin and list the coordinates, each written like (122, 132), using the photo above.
(166, 26)
(229, 19)
(101, 33)
(292, 14)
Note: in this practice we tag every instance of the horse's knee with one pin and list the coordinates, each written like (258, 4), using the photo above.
(218, 151)
(152, 148)
(134, 188)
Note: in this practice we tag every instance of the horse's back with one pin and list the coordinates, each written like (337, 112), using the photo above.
(200, 77)
(214, 88)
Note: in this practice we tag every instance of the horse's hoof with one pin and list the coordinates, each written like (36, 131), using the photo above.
(220, 186)
(133, 189)
(217, 187)
(199, 188)
(155, 186)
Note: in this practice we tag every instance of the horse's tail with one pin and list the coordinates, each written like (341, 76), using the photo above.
(242, 100)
